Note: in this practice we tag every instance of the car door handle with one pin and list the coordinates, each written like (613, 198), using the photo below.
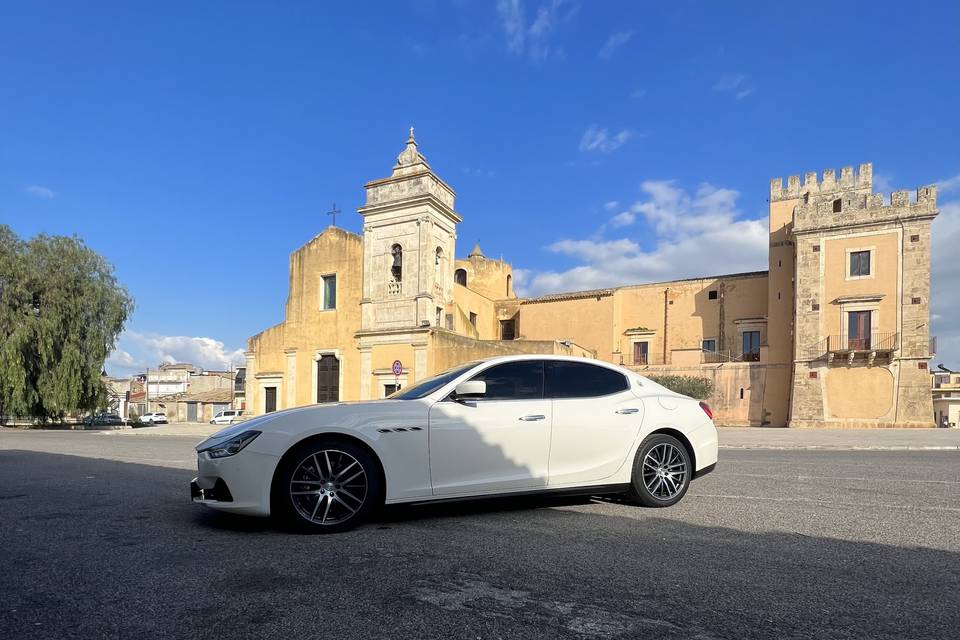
(630, 410)
(532, 418)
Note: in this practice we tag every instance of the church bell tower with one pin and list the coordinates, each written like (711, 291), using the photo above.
(409, 235)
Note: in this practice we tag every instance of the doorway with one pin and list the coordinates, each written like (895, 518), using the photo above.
(328, 379)
(269, 399)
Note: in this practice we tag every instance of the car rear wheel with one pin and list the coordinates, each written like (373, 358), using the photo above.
(326, 487)
(661, 471)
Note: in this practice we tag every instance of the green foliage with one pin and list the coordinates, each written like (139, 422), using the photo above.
(61, 310)
(693, 386)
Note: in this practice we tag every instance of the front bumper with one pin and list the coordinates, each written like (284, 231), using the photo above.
(238, 484)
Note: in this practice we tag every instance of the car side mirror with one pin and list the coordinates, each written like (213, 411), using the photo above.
(470, 389)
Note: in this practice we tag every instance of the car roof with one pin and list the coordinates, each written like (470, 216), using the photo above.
(557, 357)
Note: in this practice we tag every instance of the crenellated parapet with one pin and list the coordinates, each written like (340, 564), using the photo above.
(861, 181)
(846, 208)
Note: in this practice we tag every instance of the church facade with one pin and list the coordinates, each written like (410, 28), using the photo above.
(835, 332)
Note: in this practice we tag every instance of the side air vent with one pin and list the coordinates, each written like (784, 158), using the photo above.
(400, 429)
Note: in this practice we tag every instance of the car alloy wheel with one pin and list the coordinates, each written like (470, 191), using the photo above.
(662, 471)
(328, 487)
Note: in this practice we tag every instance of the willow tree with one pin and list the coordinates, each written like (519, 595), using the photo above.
(61, 310)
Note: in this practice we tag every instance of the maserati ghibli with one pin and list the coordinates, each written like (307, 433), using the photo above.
(503, 426)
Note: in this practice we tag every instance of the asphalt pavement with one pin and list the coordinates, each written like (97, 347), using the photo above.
(99, 539)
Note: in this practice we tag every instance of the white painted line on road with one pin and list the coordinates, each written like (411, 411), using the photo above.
(803, 477)
(815, 447)
(831, 503)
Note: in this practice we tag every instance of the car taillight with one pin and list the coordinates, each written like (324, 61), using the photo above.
(706, 410)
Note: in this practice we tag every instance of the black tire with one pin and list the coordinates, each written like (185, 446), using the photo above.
(671, 453)
(339, 503)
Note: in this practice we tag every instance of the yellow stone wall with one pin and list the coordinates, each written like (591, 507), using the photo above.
(673, 317)
(492, 279)
(291, 347)
(883, 280)
(469, 301)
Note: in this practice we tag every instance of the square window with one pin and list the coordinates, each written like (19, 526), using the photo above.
(859, 263)
(915, 238)
(816, 306)
(473, 319)
(813, 374)
(816, 248)
(837, 205)
(712, 295)
(915, 300)
(329, 292)
(709, 345)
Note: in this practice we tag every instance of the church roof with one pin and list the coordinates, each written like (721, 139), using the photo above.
(476, 252)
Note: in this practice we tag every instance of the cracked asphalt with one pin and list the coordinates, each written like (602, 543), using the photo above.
(99, 539)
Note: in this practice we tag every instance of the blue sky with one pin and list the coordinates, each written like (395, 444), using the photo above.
(589, 143)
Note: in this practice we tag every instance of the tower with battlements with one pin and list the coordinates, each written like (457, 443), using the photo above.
(848, 299)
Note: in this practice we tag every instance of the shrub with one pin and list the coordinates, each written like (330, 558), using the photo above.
(693, 386)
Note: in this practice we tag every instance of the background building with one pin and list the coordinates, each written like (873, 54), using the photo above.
(835, 333)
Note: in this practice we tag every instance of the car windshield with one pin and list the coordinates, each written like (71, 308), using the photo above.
(428, 386)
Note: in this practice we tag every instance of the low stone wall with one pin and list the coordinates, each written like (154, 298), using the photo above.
(745, 394)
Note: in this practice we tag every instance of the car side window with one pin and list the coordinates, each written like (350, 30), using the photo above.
(520, 380)
(581, 380)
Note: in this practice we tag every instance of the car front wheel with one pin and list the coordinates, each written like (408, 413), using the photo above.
(661, 471)
(326, 486)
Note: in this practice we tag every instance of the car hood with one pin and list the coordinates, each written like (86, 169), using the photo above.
(343, 413)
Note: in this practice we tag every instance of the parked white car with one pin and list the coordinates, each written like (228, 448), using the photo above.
(228, 416)
(504, 426)
(156, 417)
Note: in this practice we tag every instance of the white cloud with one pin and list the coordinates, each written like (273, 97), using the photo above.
(41, 192)
(120, 359)
(601, 140)
(735, 83)
(947, 186)
(136, 351)
(614, 42)
(945, 274)
(612, 205)
(693, 233)
(636, 94)
(534, 40)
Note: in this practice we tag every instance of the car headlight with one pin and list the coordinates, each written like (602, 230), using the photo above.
(233, 446)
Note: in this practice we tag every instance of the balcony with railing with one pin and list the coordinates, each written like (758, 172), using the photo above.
(868, 346)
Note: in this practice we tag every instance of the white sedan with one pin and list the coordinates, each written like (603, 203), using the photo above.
(504, 426)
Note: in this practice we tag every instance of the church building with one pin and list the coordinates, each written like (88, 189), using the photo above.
(835, 332)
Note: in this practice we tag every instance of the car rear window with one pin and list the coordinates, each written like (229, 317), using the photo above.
(581, 380)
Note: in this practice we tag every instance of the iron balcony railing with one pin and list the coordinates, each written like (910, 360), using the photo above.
(876, 341)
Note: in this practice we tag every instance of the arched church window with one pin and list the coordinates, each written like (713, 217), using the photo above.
(396, 270)
(509, 283)
(460, 277)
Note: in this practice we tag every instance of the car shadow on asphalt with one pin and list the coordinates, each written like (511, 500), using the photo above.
(398, 514)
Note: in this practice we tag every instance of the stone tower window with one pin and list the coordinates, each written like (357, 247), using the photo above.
(712, 294)
(837, 205)
(509, 284)
(396, 270)
(460, 277)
